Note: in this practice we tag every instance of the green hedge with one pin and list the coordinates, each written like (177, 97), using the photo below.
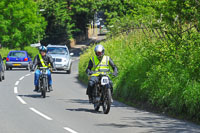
(132, 59)
(32, 51)
(161, 74)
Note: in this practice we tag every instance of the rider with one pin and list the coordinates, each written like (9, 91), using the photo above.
(96, 63)
(42, 60)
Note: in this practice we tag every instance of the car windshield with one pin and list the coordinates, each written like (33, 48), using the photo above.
(56, 50)
(17, 54)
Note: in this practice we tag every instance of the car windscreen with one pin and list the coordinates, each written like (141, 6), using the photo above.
(56, 50)
(17, 54)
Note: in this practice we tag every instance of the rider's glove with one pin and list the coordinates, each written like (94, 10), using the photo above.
(91, 72)
(115, 74)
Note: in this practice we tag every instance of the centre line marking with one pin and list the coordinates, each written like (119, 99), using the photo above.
(21, 78)
(17, 83)
(27, 74)
(15, 90)
(70, 130)
(21, 100)
(41, 114)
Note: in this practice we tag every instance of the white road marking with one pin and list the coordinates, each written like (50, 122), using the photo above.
(70, 130)
(21, 100)
(27, 74)
(21, 78)
(15, 90)
(41, 114)
(17, 82)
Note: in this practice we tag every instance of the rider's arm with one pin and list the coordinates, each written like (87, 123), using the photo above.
(90, 65)
(51, 61)
(35, 62)
(114, 67)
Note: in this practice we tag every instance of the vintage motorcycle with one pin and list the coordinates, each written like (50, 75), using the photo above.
(102, 93)
(43, 81)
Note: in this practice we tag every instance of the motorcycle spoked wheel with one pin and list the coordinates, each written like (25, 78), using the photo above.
(44, 88)
(96, 103)
(107, 102)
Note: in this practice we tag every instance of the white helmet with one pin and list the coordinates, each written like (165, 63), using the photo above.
(42, 48)
(99, 51)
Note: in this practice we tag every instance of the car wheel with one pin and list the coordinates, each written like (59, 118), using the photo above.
(0, 76)
(10, 68)
(70, 69)
(3, 77)
(28, 67)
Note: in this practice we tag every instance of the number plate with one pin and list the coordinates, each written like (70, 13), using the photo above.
(16, 64)
(58, 65)
(104, 80)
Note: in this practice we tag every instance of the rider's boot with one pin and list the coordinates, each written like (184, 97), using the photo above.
(89, 93)
(36, 88)
(50, 88)
(90, 99)
(111, 100)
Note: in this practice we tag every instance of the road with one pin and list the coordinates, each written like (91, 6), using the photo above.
(66, 109)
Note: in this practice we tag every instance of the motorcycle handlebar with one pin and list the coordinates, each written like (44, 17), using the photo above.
(43, 68)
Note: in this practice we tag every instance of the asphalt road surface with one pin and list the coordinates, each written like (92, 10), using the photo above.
(66, 109)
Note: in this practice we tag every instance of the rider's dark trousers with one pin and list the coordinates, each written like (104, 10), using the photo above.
(92, 81)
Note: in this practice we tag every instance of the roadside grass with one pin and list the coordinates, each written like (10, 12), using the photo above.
(162, 75)
(32, 51)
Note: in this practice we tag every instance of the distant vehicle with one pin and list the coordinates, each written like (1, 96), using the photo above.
(2, 69)
(61, 57)
(103, 30)
(18, 59)
(98, 23)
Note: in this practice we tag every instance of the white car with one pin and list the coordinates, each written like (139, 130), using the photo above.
(61, 57)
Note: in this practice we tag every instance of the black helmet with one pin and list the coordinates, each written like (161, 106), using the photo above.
(99, 51)
(42, 48)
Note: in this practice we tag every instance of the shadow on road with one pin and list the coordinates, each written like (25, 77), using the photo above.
(60, 72)
(156, 124)
(17, 69)
(32, 96)
(85, 110)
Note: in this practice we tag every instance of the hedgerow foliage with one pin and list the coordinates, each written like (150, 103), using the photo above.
(161, 71)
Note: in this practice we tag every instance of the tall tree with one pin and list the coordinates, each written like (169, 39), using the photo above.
(20, 23)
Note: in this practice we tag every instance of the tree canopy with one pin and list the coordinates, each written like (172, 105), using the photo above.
(20, 23)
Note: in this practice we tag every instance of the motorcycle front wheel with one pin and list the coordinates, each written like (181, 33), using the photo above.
(44, 87)
(107, 102)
